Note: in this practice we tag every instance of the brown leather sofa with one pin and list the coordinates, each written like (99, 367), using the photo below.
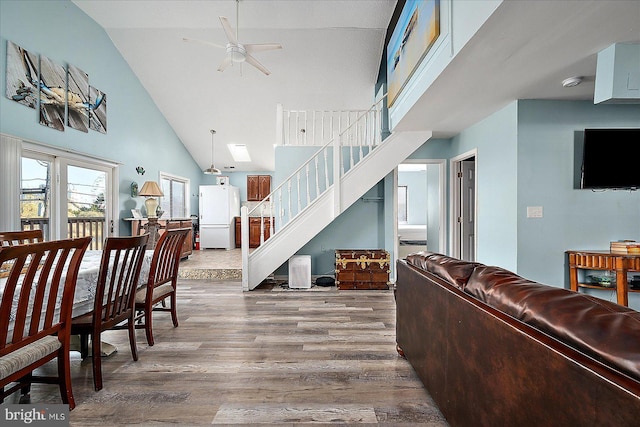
(495, 349)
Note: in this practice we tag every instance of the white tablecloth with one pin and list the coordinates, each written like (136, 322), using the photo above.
(87, 282)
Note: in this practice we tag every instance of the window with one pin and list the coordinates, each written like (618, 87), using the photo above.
(402, 203)
(175, 201)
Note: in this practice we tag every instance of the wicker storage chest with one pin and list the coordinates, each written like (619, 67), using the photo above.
(362, 269)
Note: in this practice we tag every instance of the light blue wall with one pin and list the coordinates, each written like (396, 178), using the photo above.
(496, 141)
(573, 219)
(138, 134)
(416, 182)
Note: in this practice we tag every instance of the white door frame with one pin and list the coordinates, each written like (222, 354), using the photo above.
(62, 158)
(454, 192)
(441, 191)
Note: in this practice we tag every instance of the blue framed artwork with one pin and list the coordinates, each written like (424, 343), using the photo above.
(417, 29)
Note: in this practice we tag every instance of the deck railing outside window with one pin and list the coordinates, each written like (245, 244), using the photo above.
(76, 227)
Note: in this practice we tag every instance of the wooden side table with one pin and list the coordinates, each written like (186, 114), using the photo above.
(604, 261)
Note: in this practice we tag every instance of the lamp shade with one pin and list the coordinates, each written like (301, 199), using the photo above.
(150, 189)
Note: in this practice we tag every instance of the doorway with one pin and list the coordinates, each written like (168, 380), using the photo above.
(464, 206)
(420, 219)
(67, 197)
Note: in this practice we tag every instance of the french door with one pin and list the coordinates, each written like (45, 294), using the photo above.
(67, 197)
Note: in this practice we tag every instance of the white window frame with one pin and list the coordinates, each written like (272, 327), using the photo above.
(187, 191)
(64, 157)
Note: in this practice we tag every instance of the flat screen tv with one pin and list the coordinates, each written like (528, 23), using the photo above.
(611, 159)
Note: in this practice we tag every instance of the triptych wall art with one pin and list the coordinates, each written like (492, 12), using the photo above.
(38, 82)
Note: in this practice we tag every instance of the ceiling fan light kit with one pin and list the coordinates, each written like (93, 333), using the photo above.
(236, 51)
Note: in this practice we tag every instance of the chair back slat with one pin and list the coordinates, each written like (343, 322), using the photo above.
(37, 298)
(117, 282)
(166, 256)
(14, 238)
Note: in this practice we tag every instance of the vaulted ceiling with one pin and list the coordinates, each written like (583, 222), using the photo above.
(330, 59)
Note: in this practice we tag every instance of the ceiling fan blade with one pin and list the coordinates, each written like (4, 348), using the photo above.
(253, 61)
(225, 63)
(203, 42)
(228, 30)
(261, 47)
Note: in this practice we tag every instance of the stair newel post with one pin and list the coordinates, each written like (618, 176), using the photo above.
(244, 240)
(279, 125)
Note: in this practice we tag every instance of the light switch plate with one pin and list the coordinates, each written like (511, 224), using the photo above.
(534, 211)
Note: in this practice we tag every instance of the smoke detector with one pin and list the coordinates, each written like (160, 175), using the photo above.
(572, 81)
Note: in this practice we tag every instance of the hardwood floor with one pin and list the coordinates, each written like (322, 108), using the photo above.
(283, 357)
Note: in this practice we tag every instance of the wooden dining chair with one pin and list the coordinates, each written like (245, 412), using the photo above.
(35, 312)
(12, 238)
(162, 281)
(115, 293)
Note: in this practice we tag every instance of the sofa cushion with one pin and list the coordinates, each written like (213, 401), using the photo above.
(606, 331)
(452, 270)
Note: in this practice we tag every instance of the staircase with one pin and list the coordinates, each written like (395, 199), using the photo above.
(328, 183)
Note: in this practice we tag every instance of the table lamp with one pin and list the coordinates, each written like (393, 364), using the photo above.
(150, 190)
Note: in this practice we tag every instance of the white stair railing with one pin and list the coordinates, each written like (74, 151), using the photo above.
(314, 177)
(315, 127)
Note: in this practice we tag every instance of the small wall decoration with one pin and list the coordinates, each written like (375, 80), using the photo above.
(97, 110)
(52, 93)
(22, 75)
(78, 99)
(416, 31)
(134, 189)
(140, 170)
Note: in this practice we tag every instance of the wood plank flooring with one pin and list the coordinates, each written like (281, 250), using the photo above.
(293, 357)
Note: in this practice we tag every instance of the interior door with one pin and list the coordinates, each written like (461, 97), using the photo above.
(467, 210)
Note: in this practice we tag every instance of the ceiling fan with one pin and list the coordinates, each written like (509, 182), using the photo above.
(236, 51)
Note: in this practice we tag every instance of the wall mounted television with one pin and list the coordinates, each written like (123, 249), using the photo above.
(611, 159)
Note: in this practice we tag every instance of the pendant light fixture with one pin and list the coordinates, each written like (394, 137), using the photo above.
(212, 170)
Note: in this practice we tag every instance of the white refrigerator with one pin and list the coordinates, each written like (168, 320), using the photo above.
(219, 205)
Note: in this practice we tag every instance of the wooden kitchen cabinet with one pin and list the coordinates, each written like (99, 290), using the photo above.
(138, 228)
(258, 187)
(254, 231)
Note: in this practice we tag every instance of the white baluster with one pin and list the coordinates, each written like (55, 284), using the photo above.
(298, 189)
(308, 195)
(288, 129)
(326, 168)
(316, 160)
(262, 225)
(313, 129)
(289, 201)
(272, 230)
(280, 211)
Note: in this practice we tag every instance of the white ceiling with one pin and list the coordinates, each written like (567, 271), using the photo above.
(330, 58)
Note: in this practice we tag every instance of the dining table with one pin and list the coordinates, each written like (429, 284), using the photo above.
(86, 284)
